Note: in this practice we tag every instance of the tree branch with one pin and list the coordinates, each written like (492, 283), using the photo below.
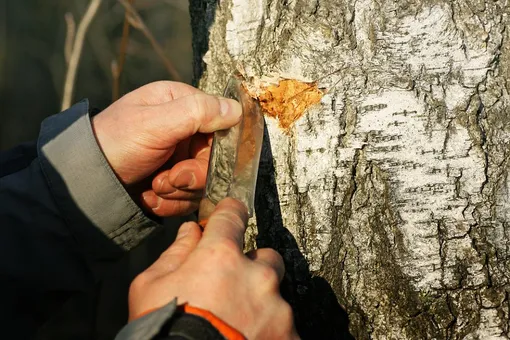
(118, 66)
(74, 58)
(137, 22)
(70, 34)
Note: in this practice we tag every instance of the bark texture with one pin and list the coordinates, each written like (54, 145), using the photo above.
(390, 200)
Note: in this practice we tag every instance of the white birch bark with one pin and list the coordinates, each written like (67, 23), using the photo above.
(396, 188)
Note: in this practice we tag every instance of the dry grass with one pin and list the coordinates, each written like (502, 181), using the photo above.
(74, 42)
(75, 54)
(34, 56)
(137, 22)
(118, 65)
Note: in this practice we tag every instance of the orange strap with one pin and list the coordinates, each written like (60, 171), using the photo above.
(229, 332)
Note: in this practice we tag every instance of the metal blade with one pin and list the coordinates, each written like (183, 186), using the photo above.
(235, 155)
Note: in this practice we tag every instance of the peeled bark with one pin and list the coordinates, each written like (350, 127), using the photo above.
(389, 200)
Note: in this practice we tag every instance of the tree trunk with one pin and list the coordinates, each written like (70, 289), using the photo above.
(389, 200)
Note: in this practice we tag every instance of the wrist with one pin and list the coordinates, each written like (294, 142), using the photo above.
(224, 328)
(104, 144)
(195, 323)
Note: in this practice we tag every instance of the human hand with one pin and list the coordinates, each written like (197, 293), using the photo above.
(208, 270)
(159, 132)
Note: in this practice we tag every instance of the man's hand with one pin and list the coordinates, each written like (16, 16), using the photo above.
(208, 270)
(159, 132)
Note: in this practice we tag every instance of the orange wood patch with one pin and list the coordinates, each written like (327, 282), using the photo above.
(288, 100)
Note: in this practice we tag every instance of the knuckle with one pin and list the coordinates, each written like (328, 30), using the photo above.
(228, 217)
(208, 107)
(140, 283)
(193, 113)
(281, 319)
(275, 255)
(189, 111)
(286, 316)
(225, 256)
(228, 248)
(286, 313)
(200, 106)
(269, 277)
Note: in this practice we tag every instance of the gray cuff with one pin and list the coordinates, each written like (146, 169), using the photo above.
(89, 195)
(148, 326)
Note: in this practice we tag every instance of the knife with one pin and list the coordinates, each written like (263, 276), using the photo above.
(235, 155)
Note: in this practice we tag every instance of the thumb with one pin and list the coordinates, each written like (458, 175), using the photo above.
(171, 259)
(176, 120)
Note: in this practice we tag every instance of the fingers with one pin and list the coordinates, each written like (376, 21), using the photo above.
(188, 236)
(181, 118)
(269, 257)
(189, 171)
(226, 225)
(177, 191)
(186, 175)
(161, 206)
(159, 92)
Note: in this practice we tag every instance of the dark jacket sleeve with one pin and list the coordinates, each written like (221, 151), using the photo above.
(64, 218)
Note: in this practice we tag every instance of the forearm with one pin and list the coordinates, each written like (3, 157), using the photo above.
(85, 189)
(65, 183)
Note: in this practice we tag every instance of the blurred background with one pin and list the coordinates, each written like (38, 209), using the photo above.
(33, 59)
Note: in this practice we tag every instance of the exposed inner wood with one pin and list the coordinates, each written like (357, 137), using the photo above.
(288, 100)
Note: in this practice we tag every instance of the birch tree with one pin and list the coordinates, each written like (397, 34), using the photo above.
(390, 199)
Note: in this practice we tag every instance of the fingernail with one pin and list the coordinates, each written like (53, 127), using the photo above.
(151, 200)
(230, 107)
(165, 188)
(183, 230)
(184, 180)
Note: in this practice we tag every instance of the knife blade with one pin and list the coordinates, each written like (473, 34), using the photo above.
(235, 155)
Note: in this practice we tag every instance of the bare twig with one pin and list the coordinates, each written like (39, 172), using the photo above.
(137, 22)
(114, 67)
(70, 33)
(74, 59)
(122, 57)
